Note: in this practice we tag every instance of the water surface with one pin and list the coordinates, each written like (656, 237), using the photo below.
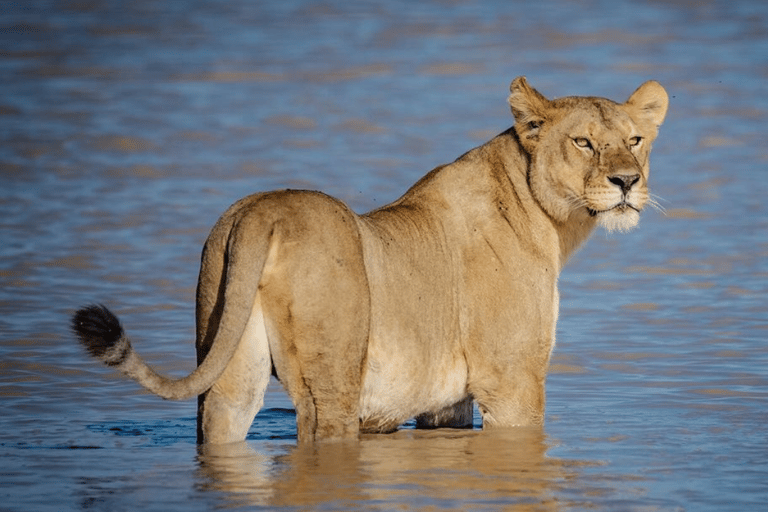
(127, 128)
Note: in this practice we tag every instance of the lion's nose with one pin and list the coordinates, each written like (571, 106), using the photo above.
(624, 181)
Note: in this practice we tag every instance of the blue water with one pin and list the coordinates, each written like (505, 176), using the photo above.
(126, 128)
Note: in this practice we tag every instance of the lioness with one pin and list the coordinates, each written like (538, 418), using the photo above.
(446, 296)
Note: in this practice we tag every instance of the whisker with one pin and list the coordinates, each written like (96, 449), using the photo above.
(657, 207)
(653, 201)
(576, 203)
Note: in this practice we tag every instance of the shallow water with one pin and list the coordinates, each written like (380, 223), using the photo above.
(127, 128)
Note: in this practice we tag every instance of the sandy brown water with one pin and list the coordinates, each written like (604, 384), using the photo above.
(127, 128)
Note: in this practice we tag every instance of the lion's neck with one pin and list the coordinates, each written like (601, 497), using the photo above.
(573, 233)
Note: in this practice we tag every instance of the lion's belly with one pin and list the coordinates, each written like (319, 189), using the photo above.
(398, 386)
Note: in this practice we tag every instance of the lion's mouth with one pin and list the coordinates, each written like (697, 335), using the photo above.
(621, 207)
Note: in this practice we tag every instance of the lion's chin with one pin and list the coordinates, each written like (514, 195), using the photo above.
(618, 219)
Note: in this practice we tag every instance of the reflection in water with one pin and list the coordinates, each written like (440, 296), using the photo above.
(238, 469)
(465, 469)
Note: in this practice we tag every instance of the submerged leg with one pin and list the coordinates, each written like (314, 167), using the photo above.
(228, 408)
(318, 346)
(458, 415)
(520, 405)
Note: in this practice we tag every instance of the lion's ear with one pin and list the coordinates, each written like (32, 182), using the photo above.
(529, 107)
(648, 104)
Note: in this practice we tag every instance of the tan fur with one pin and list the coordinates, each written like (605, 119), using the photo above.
(446, 296)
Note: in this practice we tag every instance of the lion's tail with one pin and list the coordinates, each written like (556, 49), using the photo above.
(100, 331)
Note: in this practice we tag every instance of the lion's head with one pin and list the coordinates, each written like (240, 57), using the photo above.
(589, 156)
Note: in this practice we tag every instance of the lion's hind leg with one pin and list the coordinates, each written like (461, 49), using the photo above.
(318, 333)
(317, 309)
(321, 372)
(228, 408)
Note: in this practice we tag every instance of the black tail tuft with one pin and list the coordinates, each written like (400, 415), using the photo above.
(98, 329)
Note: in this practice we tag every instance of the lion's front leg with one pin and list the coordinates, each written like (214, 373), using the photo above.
(516, 399)
(458, 415)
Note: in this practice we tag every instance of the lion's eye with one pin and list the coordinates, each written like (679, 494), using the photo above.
(635, 141)
(582, 142)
